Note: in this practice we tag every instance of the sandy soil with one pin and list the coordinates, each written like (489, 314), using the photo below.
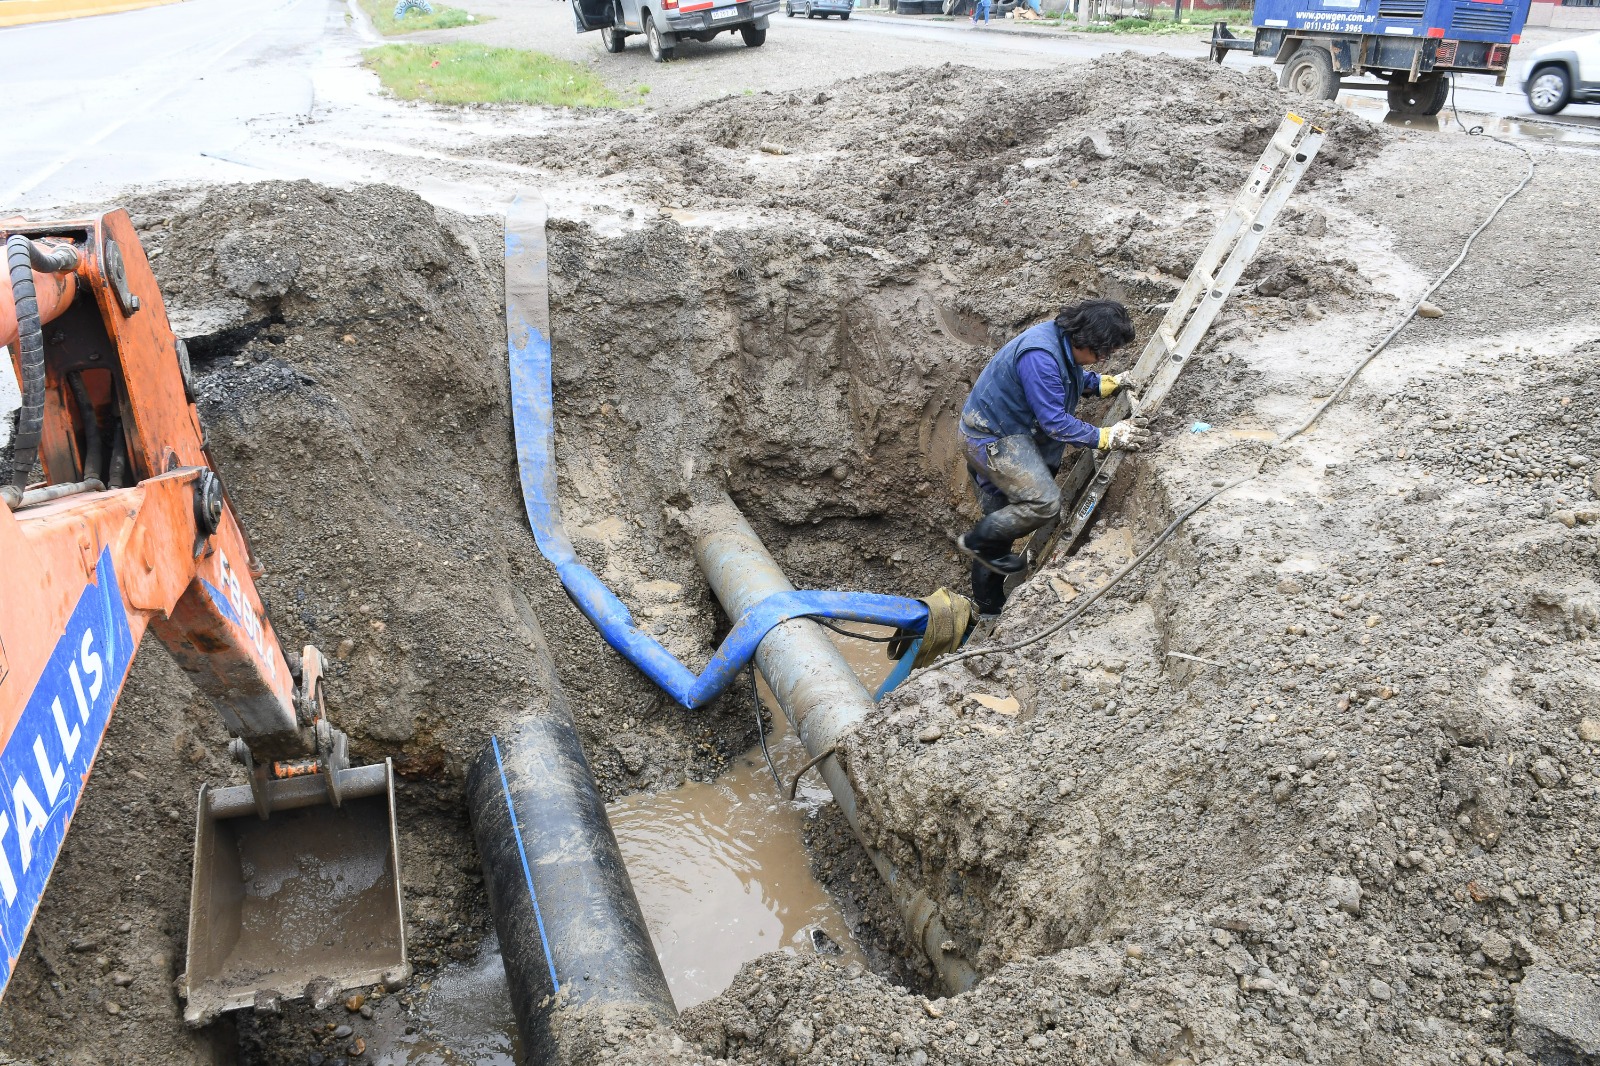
(1361, 837)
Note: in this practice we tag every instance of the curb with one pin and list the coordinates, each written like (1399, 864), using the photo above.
(363, 25)
(28, 12)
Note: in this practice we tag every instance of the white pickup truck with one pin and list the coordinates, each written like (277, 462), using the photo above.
(664, 22)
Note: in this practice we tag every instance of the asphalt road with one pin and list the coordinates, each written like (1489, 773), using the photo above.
(146, 93)
(220, 90)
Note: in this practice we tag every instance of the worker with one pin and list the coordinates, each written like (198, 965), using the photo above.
(980, 9)
(1017, 422)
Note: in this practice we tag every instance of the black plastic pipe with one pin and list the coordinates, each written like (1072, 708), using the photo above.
(575, 945)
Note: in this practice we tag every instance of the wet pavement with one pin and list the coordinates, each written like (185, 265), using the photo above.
(243, 90)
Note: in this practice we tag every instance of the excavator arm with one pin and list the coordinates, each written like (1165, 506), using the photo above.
(130, 529)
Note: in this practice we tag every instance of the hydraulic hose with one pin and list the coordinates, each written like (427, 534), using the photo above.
(30, 359)
(93, 454)
(22, 257)
(533, 410)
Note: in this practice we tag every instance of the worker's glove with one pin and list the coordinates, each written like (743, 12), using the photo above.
(1109, 386)
(1126, 436)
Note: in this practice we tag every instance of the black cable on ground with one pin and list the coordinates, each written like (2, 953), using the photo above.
(761, 727)
(1455, 112)
(1088, 601)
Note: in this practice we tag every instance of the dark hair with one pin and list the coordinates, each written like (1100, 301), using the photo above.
(1102, 326)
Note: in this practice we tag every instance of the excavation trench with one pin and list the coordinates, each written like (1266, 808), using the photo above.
(1153, 858)
(810, 361)
(358, 406)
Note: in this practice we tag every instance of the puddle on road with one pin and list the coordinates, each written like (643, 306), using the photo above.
(1550, 131)
(722, 875)
(720, 868)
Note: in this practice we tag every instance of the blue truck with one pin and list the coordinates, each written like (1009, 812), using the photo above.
(1412, 46)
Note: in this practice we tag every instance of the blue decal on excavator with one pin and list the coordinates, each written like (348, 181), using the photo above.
(46, 760)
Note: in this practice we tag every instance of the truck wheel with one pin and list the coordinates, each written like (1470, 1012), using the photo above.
(1310, 72)
(754, 36)
(658, 51)
(614, 39)
(1426, 96)
(1549, 90)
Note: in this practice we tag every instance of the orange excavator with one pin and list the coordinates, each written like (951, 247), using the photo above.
(296, 888)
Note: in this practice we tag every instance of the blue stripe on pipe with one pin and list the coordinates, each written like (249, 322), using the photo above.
(533, 417)
(516, 831)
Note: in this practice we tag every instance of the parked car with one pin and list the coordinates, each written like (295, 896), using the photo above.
(664, 22)
(1562, 73)
(812, 8)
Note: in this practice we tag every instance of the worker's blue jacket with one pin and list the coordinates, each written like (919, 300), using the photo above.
(1031, 386)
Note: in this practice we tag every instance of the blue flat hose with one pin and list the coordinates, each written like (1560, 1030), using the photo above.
(533, 416)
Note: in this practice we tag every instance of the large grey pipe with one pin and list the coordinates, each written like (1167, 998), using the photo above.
(820, 696)
(576, 949)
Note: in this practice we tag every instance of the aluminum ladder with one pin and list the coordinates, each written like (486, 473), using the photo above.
(1234, 245)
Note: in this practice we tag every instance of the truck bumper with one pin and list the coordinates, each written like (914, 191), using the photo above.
(1389, 56)
(717, 19)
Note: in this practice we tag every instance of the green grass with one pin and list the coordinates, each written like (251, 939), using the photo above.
(1159, 24)
(477, 74)
(443, 18)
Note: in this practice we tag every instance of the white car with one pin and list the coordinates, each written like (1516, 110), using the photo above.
(1566, 72)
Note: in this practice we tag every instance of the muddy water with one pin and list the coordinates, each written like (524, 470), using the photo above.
(720, 868)
(462, 1018)
(1551, 131)
(722, 875)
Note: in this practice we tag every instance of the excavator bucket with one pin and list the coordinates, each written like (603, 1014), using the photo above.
(301, 899)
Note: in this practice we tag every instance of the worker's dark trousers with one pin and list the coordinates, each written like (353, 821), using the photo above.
(1015, 480)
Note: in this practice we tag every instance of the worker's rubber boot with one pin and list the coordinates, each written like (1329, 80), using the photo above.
(992, 563)
(994, 556)
(988, 589)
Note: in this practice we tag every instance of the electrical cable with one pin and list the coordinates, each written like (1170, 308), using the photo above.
(794, 786)
(1161, 538)
(761, 727)
(1455, 113)
(843, 632)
